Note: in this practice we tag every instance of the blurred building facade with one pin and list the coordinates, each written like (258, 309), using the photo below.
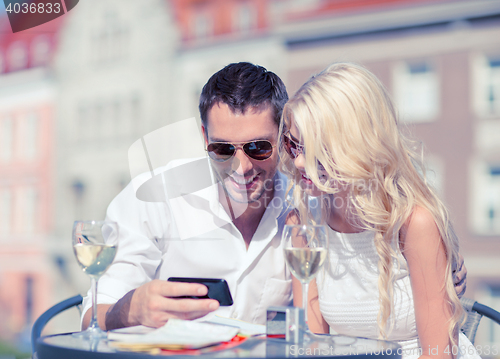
(216, 33)
(113, 71)
(124, 69)
(440, 62)
(27, 106)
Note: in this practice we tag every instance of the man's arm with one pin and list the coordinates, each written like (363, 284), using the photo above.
(152, 304)
(129, 281)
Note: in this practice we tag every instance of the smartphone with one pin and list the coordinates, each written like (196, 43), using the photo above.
(217, 289)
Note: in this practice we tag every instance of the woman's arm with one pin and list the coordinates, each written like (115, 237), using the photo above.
(425, 253)
(317, 324)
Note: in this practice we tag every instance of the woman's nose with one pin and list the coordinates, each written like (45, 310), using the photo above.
(300, 162)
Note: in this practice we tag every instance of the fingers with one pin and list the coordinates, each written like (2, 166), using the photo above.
(461, 286)
(459, 264)
(460, 289)
(159, 312)
(180, 289)
(190, 308)
(158, 301)
(460, 277)
(186, 309)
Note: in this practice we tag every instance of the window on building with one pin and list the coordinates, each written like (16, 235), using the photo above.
(30, 214)
(494, 202)
(416, 91)
(5, 210)
(111, 40)
(135, 115)
(40, 50)
(31, 135)
(6, 135)
(116, 120)
(202, 24)
(485, 209)
(435, 173)
(29, 299)
(245, 17)
(98, 121)
(107, 133)
(487, 85)
(79, 190)
(127, 112)
(109, 120)
(84, 126)
(18, 56)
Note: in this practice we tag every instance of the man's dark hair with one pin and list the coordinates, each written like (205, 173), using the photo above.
(242, 86)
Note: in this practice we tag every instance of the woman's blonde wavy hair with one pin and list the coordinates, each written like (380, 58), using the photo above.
(348, 124)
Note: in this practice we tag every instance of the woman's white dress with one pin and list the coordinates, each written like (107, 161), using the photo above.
(348, 294)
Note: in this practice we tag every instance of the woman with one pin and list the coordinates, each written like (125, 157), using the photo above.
(388, 273)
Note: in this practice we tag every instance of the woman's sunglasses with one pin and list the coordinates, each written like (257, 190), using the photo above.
(292, 146)
(257, 150)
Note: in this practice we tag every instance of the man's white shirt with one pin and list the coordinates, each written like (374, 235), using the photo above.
(193, 236)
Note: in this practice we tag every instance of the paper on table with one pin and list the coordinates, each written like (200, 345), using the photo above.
(245, 327)
(138, 329)
(177, 334)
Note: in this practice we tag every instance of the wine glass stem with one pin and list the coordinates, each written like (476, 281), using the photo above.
(93, 321)
(305, 288)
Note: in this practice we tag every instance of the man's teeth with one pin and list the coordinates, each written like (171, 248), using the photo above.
(242, 181)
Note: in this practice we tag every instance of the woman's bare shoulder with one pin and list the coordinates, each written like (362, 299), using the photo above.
(420, 229)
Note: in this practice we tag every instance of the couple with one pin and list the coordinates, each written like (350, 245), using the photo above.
(338, 139)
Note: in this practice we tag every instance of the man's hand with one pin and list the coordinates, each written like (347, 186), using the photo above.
(153, 303)
(460, 276)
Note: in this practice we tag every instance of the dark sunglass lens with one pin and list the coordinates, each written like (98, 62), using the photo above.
(220, 151)
(258, 150)
(289, 146)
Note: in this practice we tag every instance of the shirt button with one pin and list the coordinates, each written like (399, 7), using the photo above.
(235, 315)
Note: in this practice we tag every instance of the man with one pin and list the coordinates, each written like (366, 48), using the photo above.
(240, 108)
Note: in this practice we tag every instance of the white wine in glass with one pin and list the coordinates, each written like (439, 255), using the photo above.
(95, 245)
(305, 262)
(306, 248)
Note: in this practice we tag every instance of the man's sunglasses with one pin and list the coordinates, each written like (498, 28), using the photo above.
(257, 150)
(292, 146)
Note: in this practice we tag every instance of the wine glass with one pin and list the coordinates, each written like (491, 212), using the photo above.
(95, 245)
(305, 249)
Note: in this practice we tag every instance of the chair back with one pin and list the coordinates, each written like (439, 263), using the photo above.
(474, 312)
(43, 319)
(469, 328)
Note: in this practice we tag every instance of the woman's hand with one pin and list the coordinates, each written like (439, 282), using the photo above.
(460, 276)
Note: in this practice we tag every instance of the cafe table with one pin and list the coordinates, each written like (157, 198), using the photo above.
(327, 346)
